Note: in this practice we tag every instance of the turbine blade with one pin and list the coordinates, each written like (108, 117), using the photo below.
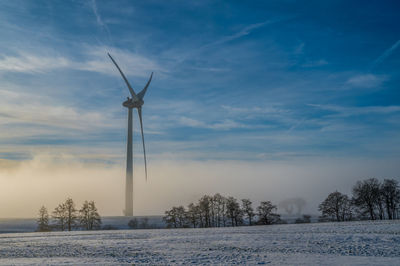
(123, 76)
(143, 92)
(144, 148)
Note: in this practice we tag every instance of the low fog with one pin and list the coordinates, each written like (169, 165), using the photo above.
(49, 179)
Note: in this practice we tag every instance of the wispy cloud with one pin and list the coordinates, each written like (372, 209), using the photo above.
(273, 112)
(183, 55)
(366, 81)
(387, 53)
(62, 117)
(255, 110)
(226, 124)
(131, 63)
(365, 110)
(31, 63)
(44, 116)
(96, 13)
(245, 31)
(100, 21)
(96, 60)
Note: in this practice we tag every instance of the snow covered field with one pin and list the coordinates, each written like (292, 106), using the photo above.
(350, 243)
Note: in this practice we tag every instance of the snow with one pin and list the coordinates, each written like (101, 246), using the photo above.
(348, 243)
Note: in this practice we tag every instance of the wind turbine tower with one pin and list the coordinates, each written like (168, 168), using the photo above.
(135, 102)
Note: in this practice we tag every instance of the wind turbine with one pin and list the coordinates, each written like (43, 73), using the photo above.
(135, 102)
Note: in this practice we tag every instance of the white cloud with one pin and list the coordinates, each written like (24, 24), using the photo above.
(366, 81)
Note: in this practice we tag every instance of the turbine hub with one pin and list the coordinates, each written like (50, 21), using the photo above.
(130, 103)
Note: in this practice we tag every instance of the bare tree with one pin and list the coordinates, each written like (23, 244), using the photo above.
(217, 210)
(391, 197)
(347, 209)
(336, 207)
(220, 206)
(60, 216)
(205, 211)
(84, 215)
(43, 220)
(95, 219)
(89, 217)
(266, 214)
(213, 212)
(71, 214)
(192, 215)
(133, 223)
(176, 217)
(181, 214)
(366, 196)
(170, 218)
(380, 203)
(248, 210)
(233, 211)
(144, 223)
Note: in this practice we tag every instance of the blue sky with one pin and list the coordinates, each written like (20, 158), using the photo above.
(233, 80)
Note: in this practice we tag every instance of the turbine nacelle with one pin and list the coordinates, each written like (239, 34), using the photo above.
(130, 103)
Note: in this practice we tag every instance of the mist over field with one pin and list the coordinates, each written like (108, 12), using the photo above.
(48, 180)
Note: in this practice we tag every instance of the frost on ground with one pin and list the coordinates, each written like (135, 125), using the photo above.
(352, 243)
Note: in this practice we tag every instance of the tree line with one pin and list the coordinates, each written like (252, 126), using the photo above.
(66, 217)
(370, 200)
(142, 223)
(220, 211)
